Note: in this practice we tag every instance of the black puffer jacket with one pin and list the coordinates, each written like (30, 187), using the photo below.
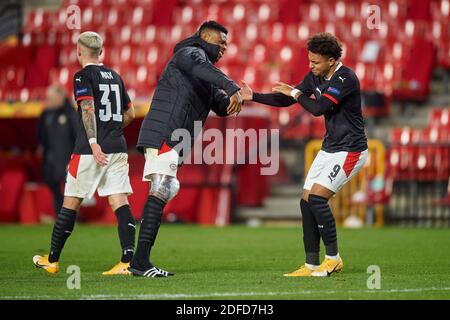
(190, 86)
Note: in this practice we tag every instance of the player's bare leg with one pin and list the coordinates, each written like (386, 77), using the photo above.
(62, 229)
(126, 229)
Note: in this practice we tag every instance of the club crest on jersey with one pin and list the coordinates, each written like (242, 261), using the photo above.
(334, 90)
(106, 75)
(82, 90)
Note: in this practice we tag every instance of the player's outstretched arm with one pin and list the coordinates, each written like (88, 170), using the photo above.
(235, 103)
(195, 63)
(90, 125)
(222, 104)
(128, 116)
(272, 99)
(246, 91)
(316, 108)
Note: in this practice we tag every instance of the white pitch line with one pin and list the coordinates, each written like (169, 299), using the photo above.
(228, 294)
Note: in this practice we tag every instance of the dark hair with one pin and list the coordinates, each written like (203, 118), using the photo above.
(211, 24)
(325, 44)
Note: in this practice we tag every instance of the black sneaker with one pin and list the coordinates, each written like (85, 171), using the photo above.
(152, 272)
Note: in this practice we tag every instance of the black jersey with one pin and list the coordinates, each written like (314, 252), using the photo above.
(343, 120)
(106, 88)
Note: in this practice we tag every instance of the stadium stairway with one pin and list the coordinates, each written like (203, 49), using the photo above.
(283, 205)
(407, 114)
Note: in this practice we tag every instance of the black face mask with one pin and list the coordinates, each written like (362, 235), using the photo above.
(212, 50)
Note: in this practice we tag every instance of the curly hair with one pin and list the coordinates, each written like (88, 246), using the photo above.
(325, 44)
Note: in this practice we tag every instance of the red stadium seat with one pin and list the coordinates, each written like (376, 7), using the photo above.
(440, 10)
(419, 10)
(40, 20)
(426, 153)
(68, 57)
(63, 76)
(185, 205)
(440, 118)
(401, 153)
(290, 11)
(28, 210)
(184, 15)
(92, 210)
(11, 187)
(13, 78)
(140, 194)
(141, 15)
(415, 81)
(163, 12)
(444, 54)
(44, 201)
(140, 79)
(37, 76)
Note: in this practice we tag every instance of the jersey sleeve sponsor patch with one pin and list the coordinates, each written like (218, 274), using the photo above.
(340, 87)
(334, 90)
(81, 91)
(82, 87)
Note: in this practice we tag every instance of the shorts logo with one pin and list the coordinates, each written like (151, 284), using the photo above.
(334, 173)
(173, 166)
(334, 90)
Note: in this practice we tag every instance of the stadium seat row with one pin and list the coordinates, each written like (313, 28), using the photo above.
(206, 190)
(422, 154)
(116, 13)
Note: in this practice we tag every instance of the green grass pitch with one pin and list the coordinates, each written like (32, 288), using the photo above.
(235, 262)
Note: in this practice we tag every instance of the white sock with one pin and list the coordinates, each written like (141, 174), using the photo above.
(311, 266)
(336, 257)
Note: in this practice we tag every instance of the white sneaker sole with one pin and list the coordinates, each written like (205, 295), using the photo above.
(37, 265)
(326, 273)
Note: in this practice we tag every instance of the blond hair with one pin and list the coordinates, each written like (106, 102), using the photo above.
(92, 41)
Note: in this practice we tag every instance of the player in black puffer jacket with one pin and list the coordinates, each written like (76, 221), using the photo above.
(189, 88)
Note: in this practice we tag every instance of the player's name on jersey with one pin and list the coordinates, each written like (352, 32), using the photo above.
(106, 75)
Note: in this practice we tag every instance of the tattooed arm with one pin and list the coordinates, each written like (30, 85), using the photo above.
(90, 125)
(88, 116)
